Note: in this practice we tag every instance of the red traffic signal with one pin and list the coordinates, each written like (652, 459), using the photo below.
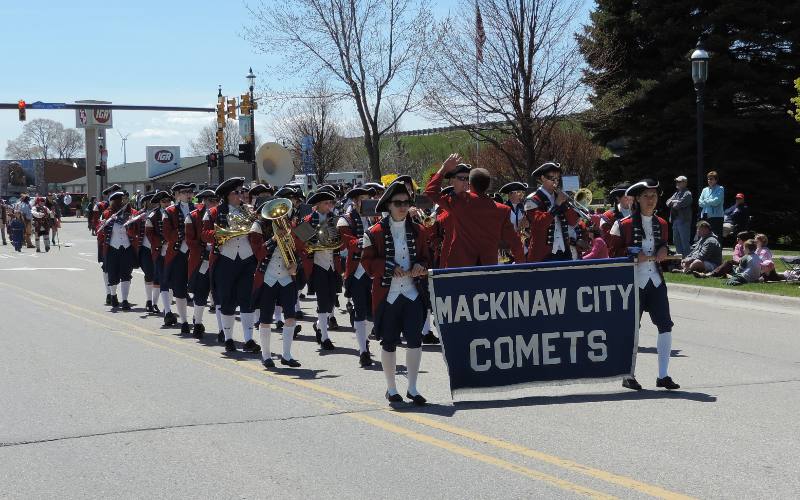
(21, 106)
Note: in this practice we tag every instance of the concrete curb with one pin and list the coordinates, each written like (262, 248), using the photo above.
(708, 293)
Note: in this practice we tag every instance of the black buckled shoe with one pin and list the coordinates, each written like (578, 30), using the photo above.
(365, 359)
(114, 301)
(327, 345)
(268, 363)
(278, 325)
(393, 398)
(170, 319)
(156, 310)
(299, 314)
(185, 328)
(230, 346)
(126, 306)
(631, 383)
(198, 331)
(667, 383)
(297, 329)
(149, 306)
(430, 339)
(221, 337)
(291, 363)
(251, 346)
(212, 310)
(418, 400)
(317, 333)
(332, 323)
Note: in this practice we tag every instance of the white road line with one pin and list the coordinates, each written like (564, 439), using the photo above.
(41, 269)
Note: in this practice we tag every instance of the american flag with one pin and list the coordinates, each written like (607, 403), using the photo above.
(480, 34)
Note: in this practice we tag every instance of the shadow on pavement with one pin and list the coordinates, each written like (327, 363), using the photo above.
(675, 353)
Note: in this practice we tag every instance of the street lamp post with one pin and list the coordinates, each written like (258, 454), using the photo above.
(251, 82)
(699, 77)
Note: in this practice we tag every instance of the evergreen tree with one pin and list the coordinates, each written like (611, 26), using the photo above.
(643, 103)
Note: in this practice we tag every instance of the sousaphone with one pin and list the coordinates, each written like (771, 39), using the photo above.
(275, 164)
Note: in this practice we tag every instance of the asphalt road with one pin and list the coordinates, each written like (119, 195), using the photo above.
(95, 404)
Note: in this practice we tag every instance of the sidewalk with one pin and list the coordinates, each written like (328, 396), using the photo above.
(736, 298)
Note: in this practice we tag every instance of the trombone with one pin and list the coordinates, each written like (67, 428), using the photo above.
(580, 203)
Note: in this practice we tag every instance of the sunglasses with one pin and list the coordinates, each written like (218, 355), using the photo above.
(462, 178)
(239, 191)
(401, 203)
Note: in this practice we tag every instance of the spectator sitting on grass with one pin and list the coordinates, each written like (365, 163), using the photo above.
(599, 248)
(764, 253)
(749, 269)
(705, 254)
(726, 267)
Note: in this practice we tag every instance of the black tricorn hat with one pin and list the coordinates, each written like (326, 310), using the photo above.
(642, 185)
(377, 186)
(320, 196)
(404, 178)
(160, 195)
(183, 185)
(259, 189)
(393, 189)
(356, 192)
(112, 189)
(147, 197)
(619, 189)
(448, 190)
(206, 193)
(117, 194)
(513, 186)
(544, 168)
(461, 168)
(228, 186)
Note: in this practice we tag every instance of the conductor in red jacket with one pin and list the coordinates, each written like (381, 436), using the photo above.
(478, 223)
(549, 216)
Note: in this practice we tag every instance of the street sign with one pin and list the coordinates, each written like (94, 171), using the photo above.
(244, 127)
(46, 105)
(307, 154)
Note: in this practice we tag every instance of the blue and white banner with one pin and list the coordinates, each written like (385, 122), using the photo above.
(506, 327)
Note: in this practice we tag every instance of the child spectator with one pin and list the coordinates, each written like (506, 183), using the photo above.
(767, 265)
(749, 269)
(16, 231)
(599, 248)
(726, 267)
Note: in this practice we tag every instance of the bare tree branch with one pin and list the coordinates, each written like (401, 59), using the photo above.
(206, 141)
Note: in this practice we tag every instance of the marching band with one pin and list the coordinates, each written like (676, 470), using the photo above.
(229, 248)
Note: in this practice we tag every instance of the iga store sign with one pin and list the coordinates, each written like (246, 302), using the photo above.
(96, 118)
(162, 159)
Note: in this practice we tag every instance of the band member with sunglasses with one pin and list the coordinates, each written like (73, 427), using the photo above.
(549, 216)
(199, 253)
(233, 264)
(176, 261)
(645, 235)
(395, 255)
(478, 224)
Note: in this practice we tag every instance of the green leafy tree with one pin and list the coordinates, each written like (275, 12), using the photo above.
(796, 102)
(643, 101)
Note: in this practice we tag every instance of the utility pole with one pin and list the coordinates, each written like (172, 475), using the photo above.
(220, 136)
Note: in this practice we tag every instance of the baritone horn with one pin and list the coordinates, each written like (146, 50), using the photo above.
(277, 210)
(274, 164)
(238, 225)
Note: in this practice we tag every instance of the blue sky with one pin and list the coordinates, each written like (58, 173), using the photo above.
(171, 52)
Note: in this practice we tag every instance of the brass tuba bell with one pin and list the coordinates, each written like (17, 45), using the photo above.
(277, 210)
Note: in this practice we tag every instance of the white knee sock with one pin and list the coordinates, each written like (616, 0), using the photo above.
(389, 363)
(148, 292)
(219, 318)
(265, 332)
(322, 324)
(368, 327)
(227, 325)
(278, 314)
(113, 289)
(181, 305)
(361, 335)
(125, 288)
(247, 325)
(198, 314)
(288, 335)
(427, 326)
(165, 302)
(105, 282)
(413, 360)
(664, 348)
(155, 291)
(256, 315)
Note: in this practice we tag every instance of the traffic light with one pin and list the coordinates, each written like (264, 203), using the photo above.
(98, 170)
(220, 140)
(246, 151)
(221, 113)
(21, 106)
(212, 160)
(232, 109)
(244, 104)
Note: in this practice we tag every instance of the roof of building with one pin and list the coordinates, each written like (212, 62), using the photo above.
(137, 171)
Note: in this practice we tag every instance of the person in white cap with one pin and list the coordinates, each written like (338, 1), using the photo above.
(680, 215)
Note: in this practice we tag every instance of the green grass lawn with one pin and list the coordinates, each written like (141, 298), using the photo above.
(779, 288)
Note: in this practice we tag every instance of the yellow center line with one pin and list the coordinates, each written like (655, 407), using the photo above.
(609, 477)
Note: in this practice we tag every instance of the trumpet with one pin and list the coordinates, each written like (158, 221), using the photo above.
(426, 220)
(238, 225)
(277, 211)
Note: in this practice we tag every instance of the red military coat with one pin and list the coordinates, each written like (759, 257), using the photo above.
(477, 226)
(207, 233)
(621, 243)
(157, 240)
(104, 236)
(308, 257)
(352, 243)
(374, 260)
(172, 221)
(194, 239)
(540, 221)
(265, 250)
